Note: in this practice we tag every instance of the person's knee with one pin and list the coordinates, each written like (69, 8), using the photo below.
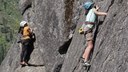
(90, 44)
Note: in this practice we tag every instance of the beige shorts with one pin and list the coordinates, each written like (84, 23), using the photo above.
(89, 36)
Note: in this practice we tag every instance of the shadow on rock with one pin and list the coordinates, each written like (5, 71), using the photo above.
(63, 49)
(35, 65)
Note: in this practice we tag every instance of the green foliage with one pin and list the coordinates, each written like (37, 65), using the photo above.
(3, 47)
(9, 24)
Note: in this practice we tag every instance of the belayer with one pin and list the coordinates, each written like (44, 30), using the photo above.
(86, 29)
(25, 34)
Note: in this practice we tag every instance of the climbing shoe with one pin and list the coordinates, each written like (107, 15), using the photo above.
(86, 64)
(81, 31)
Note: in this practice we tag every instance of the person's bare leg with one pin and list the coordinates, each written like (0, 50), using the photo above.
(88, 50)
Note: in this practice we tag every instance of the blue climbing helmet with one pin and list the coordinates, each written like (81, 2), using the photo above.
(88, 5)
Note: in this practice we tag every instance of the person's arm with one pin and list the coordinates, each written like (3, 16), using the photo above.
(99, 13)
(29, 30)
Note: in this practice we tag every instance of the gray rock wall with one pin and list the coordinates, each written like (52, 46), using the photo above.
(54, 20)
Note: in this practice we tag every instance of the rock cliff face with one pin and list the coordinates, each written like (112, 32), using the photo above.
(54, 20)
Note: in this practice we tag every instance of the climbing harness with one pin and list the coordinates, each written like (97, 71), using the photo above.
(85, 27)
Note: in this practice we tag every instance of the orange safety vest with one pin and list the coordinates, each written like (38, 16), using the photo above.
(26, 32)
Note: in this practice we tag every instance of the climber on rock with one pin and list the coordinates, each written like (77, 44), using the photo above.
(25, 39)
(87, 27)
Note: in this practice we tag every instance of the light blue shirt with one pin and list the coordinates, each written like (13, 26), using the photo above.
(91, 16)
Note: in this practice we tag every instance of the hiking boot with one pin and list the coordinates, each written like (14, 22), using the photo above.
(86, 64)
